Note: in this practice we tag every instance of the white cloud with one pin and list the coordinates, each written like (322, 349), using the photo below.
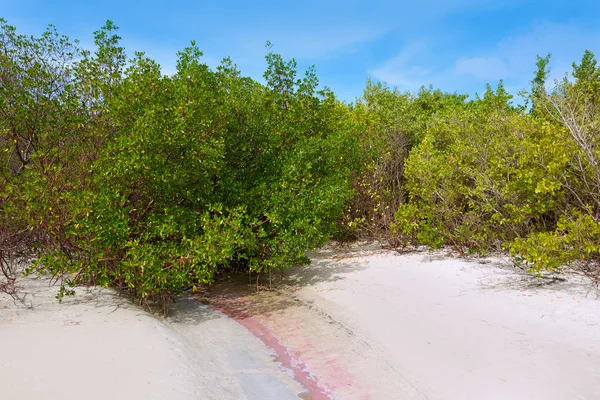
(400, 71)
(513, 58)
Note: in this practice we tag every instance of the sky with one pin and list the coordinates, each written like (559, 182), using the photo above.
(454, 45)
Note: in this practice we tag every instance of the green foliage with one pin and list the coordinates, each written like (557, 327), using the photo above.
(157, 183)
(575, 239)
(119, 175)
(587, 74)
(394, 123)
(482, 177)
(491, 175)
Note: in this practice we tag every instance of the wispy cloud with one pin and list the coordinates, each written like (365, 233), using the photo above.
(453, 45)
(318, 43)
(513, 58)
(247, 49)
(402, 71)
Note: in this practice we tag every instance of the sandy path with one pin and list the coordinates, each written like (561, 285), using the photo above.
(359, 323)
(96, 345)
(330, 360)
(461, 330)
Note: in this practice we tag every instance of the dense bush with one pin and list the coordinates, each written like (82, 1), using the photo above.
(155, 183)
(481, 177)
(393, 123)
(485, 174)
(115, 174)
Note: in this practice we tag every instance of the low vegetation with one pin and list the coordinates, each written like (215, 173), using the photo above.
(115, 174)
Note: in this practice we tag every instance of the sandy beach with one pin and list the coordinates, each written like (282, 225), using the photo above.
(457, 329)
(360, 322)
(97, 345)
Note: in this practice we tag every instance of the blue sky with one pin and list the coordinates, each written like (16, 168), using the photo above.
(453, 45)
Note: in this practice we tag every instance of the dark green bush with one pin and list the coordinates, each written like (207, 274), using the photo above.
(156, 183)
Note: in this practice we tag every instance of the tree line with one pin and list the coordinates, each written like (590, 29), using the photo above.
(116, 174)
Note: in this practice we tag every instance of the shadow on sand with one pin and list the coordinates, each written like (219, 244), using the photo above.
(187, 310)
(239, 299)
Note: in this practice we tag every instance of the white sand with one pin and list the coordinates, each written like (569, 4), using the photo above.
(462, 330)
(97, 345)
(366, 323)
